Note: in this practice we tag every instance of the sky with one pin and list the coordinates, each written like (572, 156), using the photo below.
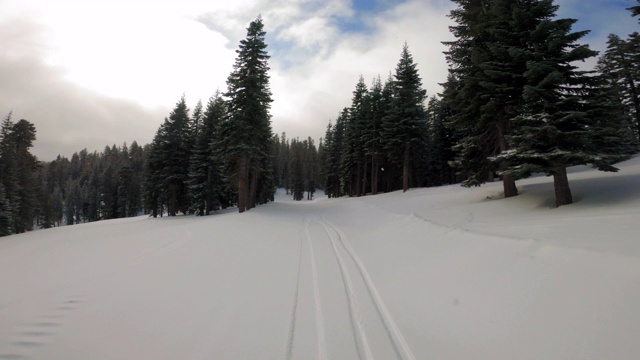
(93, 73)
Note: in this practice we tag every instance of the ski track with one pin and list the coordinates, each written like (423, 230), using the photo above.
(400, 346)
(322, 346)
(294, 307)
(354, 313)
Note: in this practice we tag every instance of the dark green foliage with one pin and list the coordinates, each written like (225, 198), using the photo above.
(621, 66)
(8, 173)
(5, 213)
(353, 162)
(334, 139)
(25, 205)
(205, 172)
(246, 135)
(168, 166)
(404, 128)
(567, 119)
(440, 145)
(487, 62)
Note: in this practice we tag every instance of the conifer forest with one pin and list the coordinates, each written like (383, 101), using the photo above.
(517, 101)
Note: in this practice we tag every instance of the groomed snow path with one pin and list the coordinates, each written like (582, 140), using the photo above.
(441, 273)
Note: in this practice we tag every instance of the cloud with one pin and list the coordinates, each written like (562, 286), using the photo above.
(67, 117)
(110, 71)
(318, 85)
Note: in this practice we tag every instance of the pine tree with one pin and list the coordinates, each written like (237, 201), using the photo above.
(405, 125)
(486, 67)
(296, 170)
(205, 177)
(389, 170)
(23, 135)
(8, 173)
(353, 166)
(247, 133)
(373, 142)
(153, 173)
(334, 138)
(441, 142)
(5, 213)
(620, 64)
(559, 128)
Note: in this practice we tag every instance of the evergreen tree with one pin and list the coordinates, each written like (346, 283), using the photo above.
(153, 173)
(621, 65)
(353, 166)
(205, 177)
(333, 182)
(247, 133)
(486, 64)
(175, 164)
(8, 173)
(559, 128)
(5, 213)
(296, 170)
(23, 135)
(440, 143)
(378, 107)
(405, 125)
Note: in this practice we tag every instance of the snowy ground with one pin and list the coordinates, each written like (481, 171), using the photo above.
(443, 273)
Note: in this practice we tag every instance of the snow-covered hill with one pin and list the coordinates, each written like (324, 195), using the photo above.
(441, 273)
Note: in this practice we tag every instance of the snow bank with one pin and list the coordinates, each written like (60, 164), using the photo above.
(445, 272)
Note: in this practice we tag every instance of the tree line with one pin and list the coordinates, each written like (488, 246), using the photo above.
(514, 104)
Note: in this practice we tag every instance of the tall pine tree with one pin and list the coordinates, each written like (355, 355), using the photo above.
(559, 127)
(247, 132)
(405, 126)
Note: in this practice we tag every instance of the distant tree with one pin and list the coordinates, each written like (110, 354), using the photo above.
(440, 142)
(620, 63)
(296, 170)
(247, 132)
(378, 108)
(206, 182)
(5, 213)
(9, 174)
(23, 135)
(153, 172)
(332, 175)
(404, 127)
(353, 162)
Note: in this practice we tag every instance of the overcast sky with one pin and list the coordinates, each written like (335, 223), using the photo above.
(101, 72)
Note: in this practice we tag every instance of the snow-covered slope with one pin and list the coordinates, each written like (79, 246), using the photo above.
(441, 273)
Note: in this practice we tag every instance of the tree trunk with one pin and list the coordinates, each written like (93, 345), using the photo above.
(253, 188)
(405, 167)
(242, 184)
(561, 186)
(508, 184)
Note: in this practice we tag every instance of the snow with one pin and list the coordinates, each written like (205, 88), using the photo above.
(444, 273)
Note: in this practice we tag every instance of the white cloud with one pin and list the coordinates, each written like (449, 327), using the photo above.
(83, 71)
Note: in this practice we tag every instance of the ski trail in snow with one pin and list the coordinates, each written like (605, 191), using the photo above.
(294, 307)
(322, 346)
(354, 308)
(401, 348)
